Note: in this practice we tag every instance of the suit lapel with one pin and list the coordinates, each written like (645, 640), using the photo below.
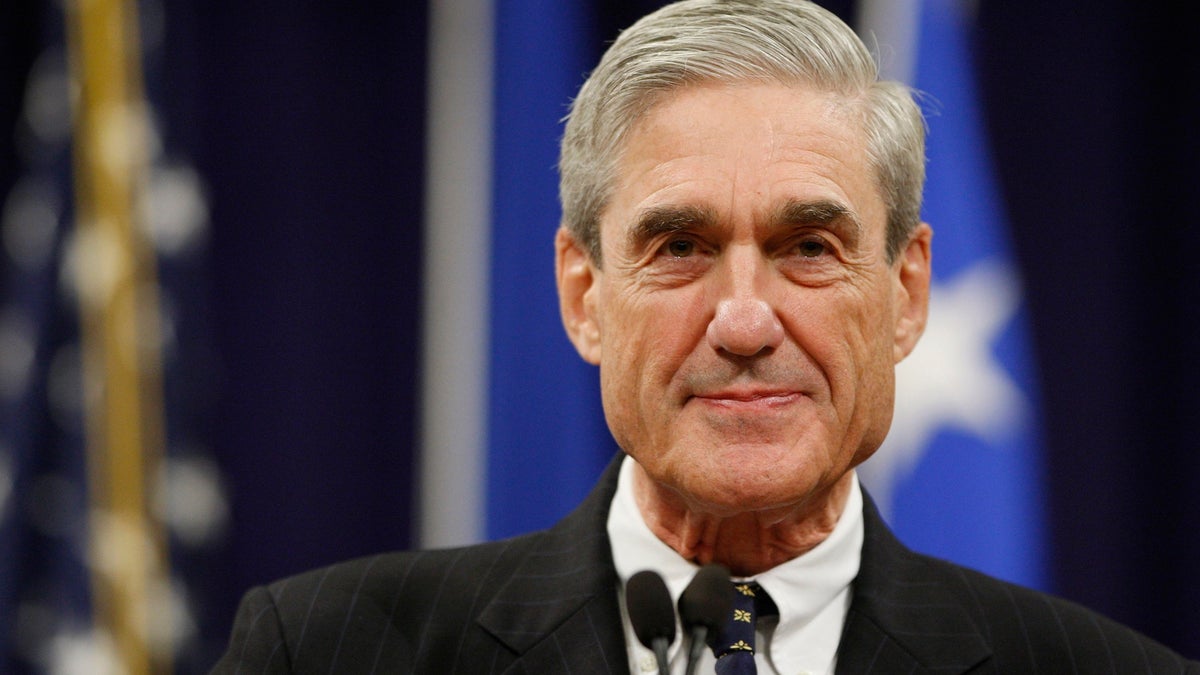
(559, 611)
(902, 619)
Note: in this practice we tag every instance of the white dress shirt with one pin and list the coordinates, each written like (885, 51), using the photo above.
(812, 591)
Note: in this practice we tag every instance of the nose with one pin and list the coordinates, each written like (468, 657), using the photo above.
(744, 323)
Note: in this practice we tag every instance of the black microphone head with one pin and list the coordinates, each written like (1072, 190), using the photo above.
(708, 599)
(650, 608)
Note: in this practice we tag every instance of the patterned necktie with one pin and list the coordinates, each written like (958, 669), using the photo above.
(734, 643)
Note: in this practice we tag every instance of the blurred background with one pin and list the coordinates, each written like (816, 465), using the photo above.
(276, 290)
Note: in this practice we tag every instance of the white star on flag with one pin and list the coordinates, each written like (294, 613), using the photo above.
(952, 378)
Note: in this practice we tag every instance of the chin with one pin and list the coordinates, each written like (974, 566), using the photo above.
(723, 477)
(746, 489)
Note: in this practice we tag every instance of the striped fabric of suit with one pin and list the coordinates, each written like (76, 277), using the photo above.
(547, 603)
(541, 603)
(914, 614)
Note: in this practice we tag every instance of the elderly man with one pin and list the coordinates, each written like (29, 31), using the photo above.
(742, 257)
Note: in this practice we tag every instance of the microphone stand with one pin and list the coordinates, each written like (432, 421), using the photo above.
(699, 635)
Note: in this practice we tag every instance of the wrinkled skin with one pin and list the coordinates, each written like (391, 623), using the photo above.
(745, 318)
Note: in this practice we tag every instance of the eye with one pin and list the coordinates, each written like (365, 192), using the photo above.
(811, 248)
(681, 248)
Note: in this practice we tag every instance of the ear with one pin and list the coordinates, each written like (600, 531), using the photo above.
(577, 280)
(914, 272)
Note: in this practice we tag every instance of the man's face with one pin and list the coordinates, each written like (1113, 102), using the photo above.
(745, 318)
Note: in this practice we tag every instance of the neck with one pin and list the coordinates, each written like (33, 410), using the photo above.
(746, 543)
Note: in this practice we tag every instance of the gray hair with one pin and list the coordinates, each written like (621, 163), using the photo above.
(736, 41)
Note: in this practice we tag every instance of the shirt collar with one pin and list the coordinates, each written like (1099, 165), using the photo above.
(811, 591)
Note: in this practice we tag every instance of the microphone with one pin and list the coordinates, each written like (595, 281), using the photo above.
(704, 607)
(652, 614)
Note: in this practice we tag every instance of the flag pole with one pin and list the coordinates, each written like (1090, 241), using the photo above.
(114, 276)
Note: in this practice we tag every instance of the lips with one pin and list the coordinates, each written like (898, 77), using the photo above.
(762, 385)
(756, 397)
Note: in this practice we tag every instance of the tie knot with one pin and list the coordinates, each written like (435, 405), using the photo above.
(733, 645)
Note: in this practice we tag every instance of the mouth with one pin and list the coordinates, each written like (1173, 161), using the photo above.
(749, 399)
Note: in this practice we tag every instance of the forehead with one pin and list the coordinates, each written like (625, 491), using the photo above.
(743, 152)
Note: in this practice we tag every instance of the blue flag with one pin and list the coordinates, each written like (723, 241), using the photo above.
(547, 437)
(960, 475)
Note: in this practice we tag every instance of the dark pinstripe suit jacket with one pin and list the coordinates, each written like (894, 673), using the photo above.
(547, 603)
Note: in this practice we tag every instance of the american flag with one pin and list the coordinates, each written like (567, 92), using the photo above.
(111, 507)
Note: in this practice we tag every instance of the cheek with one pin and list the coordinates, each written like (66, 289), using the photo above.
(654, 332)
(646, 341)
(847, 334)
(627, 350)
(869, 333)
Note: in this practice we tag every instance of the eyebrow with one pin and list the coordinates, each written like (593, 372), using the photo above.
(666, 219)
(821, 212)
